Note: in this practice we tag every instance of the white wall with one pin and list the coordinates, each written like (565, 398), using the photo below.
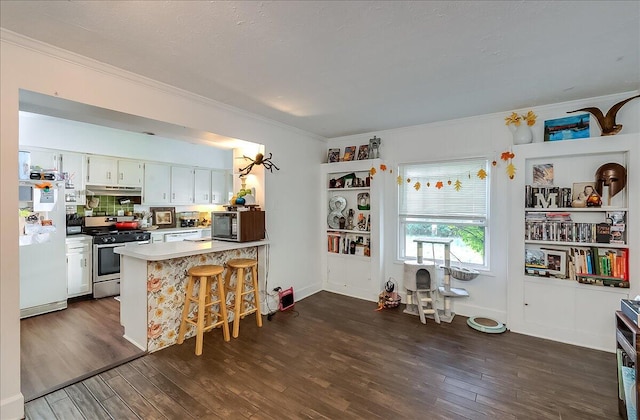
(292, 202)
(487, 136)
(56, 133)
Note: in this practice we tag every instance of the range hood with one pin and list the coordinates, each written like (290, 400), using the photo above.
(114, 190)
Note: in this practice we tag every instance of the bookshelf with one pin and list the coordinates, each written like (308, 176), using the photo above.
(627, 334)
(569, 262)
(351, 228)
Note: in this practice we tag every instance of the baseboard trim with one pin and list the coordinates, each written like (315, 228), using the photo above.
(12, 408)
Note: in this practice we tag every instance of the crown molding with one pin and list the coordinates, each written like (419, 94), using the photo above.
(98, 66)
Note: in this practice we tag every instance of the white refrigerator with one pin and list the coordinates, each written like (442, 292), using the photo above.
(43, 263)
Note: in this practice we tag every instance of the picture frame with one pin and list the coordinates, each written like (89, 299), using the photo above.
(543, 174)
(363, 152)
(349, 153)
(580, 193)
(363, 201)
(164, 217)
(556, 261)
(567, 128)
(333, 156)
(534, 258)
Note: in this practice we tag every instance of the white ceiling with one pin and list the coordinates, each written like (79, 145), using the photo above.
(338, 68)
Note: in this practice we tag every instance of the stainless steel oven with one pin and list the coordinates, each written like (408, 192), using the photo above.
(106, 268)
(106, 263)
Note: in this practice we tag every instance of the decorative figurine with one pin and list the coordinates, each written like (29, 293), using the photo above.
(374, 145)
(259, 160)
(612, 175)
(350, 220)
(607, 123)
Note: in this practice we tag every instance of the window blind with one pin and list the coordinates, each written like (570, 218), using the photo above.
(470, 202)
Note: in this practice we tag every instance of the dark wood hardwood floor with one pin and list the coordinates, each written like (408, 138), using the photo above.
(63, 347)
(337, 358)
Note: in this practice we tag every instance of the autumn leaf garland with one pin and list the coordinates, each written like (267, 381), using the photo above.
(506, 156)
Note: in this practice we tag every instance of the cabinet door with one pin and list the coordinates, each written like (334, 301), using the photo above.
(219, 189)
(202, 181)
(45, 159)
(157, 237)
(549, 306)
(181, 185)
(130, 173)
(78, 274)
(157, 183)
(101, 170)
(73, 165)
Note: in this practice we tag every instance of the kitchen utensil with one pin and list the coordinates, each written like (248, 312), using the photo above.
(127, 225)
(92, 203)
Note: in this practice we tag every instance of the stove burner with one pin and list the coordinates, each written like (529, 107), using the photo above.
(106, 236)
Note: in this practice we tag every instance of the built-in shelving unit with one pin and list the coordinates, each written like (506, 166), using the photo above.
(568, 268)
(351, 228)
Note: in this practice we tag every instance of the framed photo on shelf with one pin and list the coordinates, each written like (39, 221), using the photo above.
(349, 153)
(534, 258)
(334, 155)
(556, 261)
(581, 193)
(567, 128)
(363, 152)
(543, 174)
(164, 217)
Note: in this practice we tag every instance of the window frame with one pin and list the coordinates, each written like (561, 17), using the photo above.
(445, 219)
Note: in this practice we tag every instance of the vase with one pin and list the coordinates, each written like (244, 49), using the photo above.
(522, 134)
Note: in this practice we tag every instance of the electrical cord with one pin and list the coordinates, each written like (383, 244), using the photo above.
(271, 312)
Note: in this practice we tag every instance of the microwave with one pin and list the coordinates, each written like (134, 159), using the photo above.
(238, 226)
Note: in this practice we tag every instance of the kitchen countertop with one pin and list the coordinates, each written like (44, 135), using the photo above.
(79, 236)
(167, 250)
(177, 229)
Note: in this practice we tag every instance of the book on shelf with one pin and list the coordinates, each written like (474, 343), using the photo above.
(609, 264)
(349, 153)
(547, 197)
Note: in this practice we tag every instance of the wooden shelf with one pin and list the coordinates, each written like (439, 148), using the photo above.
(627, 334)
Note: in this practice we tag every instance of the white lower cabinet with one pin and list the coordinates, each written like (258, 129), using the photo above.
(79, 266)
(157, 237)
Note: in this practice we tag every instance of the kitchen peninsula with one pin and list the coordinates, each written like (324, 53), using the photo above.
(153, 280)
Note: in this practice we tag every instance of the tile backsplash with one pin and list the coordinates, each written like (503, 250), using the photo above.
(108, 205)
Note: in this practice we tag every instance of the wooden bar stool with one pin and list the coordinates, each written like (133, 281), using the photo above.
(240, 305)
(205, 298)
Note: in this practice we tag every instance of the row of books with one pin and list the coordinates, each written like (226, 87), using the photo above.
(572, 232)
(599, 262)
(551, 197)
(341, 243)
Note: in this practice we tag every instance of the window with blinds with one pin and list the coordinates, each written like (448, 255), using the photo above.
(451, 202)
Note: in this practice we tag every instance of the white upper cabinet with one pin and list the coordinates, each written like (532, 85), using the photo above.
(157, 183)
(202, 186)
(73, 165)
(45, 159)
(219, 189)
(182, 182)
(103, 170)
(130, 173)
